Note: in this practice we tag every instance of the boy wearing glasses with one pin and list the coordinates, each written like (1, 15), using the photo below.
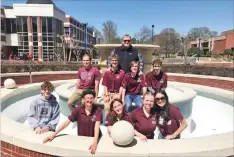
(156, 79)
(127, 53)
(44, 112)
(112, 81)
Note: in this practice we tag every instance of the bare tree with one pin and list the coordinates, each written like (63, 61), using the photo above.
(59, 49)
(109, 31)
(144, 35)
(197, 32)
(169, 41)
(98, 35)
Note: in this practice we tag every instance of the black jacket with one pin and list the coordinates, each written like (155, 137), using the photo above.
(126, 56)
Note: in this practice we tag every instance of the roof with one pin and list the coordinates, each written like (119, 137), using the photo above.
(40, 2)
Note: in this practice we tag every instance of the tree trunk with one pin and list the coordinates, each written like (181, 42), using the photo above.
(69, 55)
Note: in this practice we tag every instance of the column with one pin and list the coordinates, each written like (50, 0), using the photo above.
(212, 47)
(30, 39)
(39, 36)
(209, 44)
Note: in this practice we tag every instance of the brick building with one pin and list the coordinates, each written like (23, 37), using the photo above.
(216, 44)
(34, 28)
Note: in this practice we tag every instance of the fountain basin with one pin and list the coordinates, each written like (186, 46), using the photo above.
(145, 49)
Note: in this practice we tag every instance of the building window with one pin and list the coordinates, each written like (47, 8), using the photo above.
(2, 25)
(44, 25)
(3, 38)
(34, 24)
(49, 25)
(11, 25)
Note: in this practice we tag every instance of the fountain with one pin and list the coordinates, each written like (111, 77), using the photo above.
(146, 50)
(212, 134)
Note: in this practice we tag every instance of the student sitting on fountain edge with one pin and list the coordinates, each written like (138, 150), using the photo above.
(44, 112)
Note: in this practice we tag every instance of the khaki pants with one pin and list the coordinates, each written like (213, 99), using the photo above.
(107, 100)
(76, 97)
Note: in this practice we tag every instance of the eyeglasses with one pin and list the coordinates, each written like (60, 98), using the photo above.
(162, 98)
(127, 41)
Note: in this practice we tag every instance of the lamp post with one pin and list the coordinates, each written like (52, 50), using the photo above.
(152, 34)
(184, 52)
(198, 53)
(85, 35)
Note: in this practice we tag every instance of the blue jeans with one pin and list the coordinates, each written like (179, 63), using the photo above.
(161, 137)
(132, 98)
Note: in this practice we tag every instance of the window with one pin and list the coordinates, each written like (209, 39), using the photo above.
(2, 25)
(43, 22)
(11, 25)
(3, 38)
(49, 25)
(34, 24)
(24, 24)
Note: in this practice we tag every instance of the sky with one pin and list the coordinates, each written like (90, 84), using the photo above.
(131, 15)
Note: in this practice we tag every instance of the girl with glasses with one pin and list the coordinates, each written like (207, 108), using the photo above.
(170, 120)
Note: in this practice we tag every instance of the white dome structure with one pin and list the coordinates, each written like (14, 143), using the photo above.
(9, 83)
(122, 133)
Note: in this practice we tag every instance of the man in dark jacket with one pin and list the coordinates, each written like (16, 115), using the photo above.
(127, 53)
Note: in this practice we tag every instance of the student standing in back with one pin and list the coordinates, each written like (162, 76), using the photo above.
(156, 79)
(88, 78)
(112, 82)
(132, 84)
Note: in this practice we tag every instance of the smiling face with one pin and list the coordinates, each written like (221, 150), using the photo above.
(160, 99)
(86, 61)
(88, 100)
(134, 67)
(114, 62)
(148, 101)
(118, 107)
(157, 68)
(46, 92)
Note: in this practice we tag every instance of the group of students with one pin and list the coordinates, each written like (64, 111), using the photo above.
(121, 89)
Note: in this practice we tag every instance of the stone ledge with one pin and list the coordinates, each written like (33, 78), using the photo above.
(24, 137)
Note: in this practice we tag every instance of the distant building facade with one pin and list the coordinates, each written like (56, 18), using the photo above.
(34, 28)
(215, 44)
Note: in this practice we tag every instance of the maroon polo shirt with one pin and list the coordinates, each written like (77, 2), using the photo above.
(142, 124)
(173, 124)
(111, 120)
(156, 81)
(113, 80)
(88, 77)
(86, 123)
(133, 85)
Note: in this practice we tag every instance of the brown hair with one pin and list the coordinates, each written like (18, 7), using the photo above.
(113, 117)
(132, 63)
(48, 85)
(157, 62)
(115, 56)
(87, 54)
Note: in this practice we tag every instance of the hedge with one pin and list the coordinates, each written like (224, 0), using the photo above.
(171, 68)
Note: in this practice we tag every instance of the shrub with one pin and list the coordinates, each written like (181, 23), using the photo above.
(228, 52)
(219, 70)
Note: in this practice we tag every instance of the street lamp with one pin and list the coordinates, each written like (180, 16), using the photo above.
(152, 34)
(184, 52)
(85, 34)
(198, 53)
